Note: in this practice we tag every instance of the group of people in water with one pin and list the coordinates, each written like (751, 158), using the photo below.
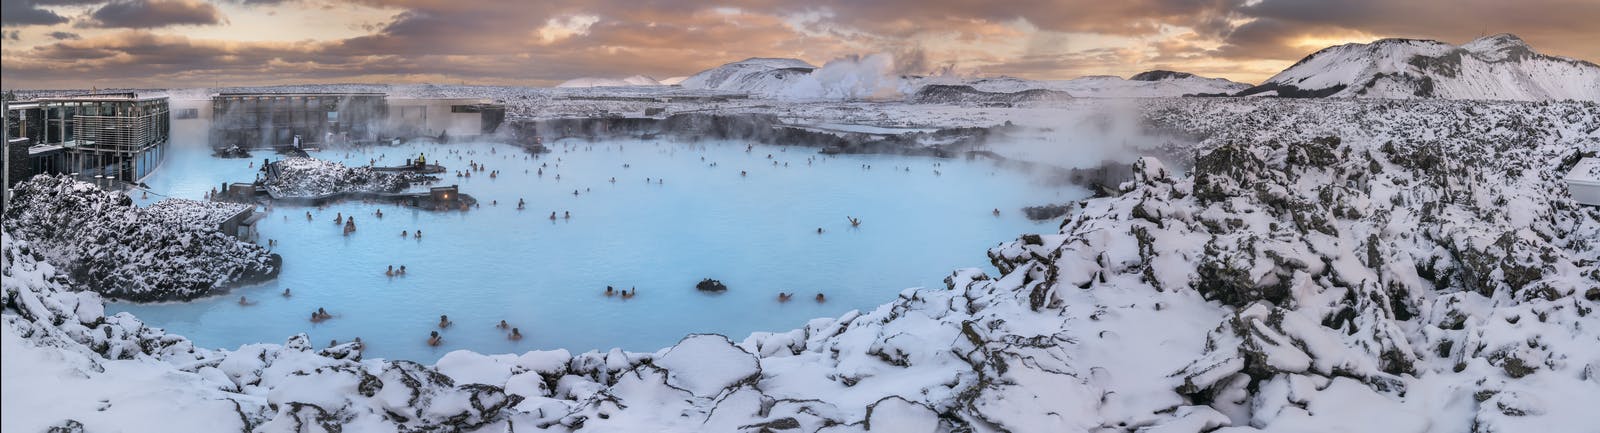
(473, 165)
(625, 294)
(513, 333)
(434, 339)
(785, 297)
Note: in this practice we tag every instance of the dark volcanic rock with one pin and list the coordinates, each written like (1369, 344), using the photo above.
(1046, 212)
(1158, 75)
(962, 94)
(710, 285)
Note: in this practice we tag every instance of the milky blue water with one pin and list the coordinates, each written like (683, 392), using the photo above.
(757, 233)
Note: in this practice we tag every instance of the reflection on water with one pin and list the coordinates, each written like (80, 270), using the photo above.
(757, 233)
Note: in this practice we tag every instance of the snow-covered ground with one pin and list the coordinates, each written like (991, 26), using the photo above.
(1320, 265)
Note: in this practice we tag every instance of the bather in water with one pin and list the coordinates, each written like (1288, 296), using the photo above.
(434, 339)
(444, 321)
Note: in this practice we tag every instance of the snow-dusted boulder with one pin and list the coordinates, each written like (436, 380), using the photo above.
(707, 364)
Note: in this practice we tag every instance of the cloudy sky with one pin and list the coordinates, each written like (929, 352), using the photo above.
(197, 43)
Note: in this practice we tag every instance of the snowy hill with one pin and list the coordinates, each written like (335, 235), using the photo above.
(636, 80)
(1493, 67)
(758, 75)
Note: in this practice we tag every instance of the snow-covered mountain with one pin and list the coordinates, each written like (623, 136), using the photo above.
(757, 75)
(636, 80)
(1493, 67)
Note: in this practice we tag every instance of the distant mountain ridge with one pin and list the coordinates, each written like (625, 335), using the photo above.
(1501, 66)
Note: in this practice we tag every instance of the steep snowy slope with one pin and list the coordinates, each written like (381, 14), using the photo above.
(1493, 67)
(636, 80)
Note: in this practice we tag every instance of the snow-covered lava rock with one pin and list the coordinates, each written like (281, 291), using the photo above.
(169, 251)
(302, 177)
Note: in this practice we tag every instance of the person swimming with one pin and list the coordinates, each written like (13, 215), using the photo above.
(627, 294)
(444, 321)
(610, 291)
(245, 302)
(389, 272)
(419, 234)
(996, 211)
(819, 230)
(552, 215)
(566, 214)
(433, 338)
(784, 297)
(503, 324)
(308, 215)
(820, 298)
(286, 292)
(402, 270)
(854, 222)
(516, 334)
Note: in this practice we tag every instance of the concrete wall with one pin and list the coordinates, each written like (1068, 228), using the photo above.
(430, 117)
